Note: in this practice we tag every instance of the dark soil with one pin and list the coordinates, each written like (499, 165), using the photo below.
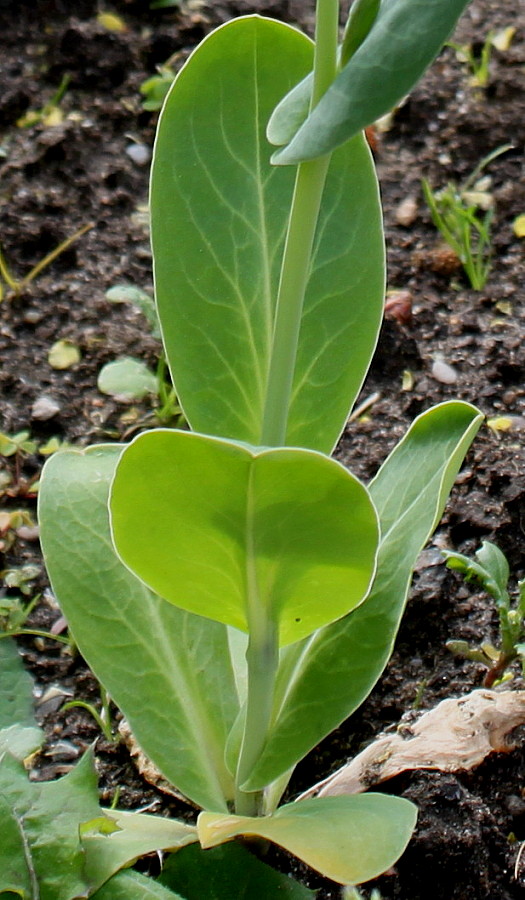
(56, 178)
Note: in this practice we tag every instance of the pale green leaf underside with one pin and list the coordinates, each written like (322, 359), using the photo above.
(137, 834)
(220, 529)
(347, 839)
(219, 216)
(135, 642)
(127, 379)
(403, 41)
(324, 679)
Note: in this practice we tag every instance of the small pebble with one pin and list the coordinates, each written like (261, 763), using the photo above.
(52, 699)
(444, 373)
(64, 750)
(28, 532)
(140, 154)
(406, 212)
(44, 408)
(398, 305)
(32, 316)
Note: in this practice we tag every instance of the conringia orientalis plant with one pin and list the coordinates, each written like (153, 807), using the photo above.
(242, 595)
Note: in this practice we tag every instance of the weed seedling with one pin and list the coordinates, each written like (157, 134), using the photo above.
(102, 718)
(155, 89)
(130, 379)
(490, 569)
(463, 214)
(476, 60)
(50, 114)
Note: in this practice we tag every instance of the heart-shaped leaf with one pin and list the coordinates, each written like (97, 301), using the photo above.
(219, 529)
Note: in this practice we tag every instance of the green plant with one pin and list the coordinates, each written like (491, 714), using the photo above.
(250, 582)
(15, 610)
(463, 214)
(128, 378)
(476, 61)
(155, 89)
(50, 114)
(491, 570)
(57, 842)
(102, 718)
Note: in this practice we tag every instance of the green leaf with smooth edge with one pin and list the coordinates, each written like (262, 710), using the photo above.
(227, 872)
(134, 886)
(16, 688)
(219, 216)
(351, 840)
(404, 39)
(322, 680)
(127, 379)
(134, 641)
(218, 528)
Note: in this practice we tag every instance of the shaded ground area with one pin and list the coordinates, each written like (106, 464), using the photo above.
(57, 176)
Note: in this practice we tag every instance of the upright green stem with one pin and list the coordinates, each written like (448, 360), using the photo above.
(262, 656)
(295, 270)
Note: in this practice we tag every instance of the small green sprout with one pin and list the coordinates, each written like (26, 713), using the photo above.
(476, 61)
(130, 379)
(463, 214)
(102, 718)
(477, 57)
(491, 570)
(17, 444)
(50, 114)
(155, 89)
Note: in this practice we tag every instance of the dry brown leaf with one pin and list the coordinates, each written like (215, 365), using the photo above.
(456, 735)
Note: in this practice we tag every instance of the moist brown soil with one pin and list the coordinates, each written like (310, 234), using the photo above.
(55, 179)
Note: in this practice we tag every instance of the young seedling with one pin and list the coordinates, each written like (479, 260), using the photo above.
(463, 214)
(17, 287)
(477, 58)
(130, 379)
(235, 589)
(50, 114)
(102, 718)
(490, 569)
(476, 61)
(155, 89)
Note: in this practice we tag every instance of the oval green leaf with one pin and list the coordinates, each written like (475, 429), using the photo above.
(218, 528)
(134, 640)
(219, 217)
(404, 39)
(348, 839)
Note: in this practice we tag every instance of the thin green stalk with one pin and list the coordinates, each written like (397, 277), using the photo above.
(262, 656)
(302, 224)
